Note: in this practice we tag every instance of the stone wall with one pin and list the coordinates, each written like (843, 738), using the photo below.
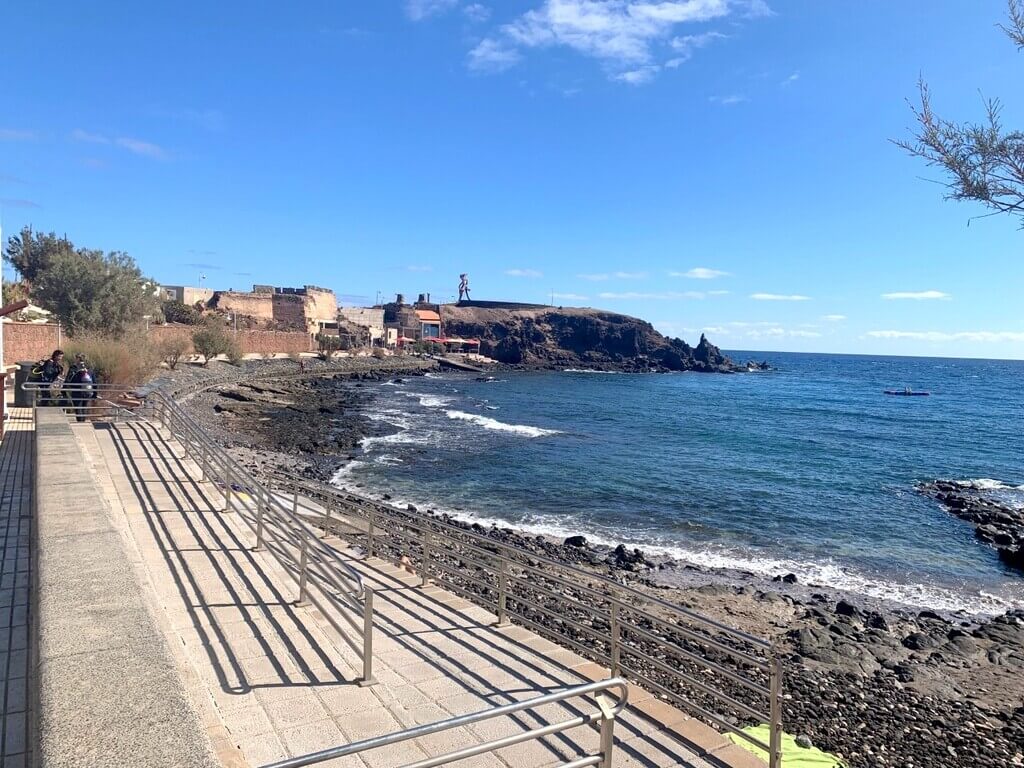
(258, 305)
(31, 341)
(321, 304)
(257, 342)
(289, 310)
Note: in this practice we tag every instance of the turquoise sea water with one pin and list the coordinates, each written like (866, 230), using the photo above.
(809, 468)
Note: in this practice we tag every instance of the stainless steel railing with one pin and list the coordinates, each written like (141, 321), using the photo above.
(604, 716)
(720, 674)
(323, 577)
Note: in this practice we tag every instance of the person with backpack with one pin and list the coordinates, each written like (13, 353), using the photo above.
(50, 373)
(80, 389)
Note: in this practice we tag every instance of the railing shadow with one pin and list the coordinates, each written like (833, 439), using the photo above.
(187, 520)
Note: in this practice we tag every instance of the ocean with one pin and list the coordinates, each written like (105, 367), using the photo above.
(806, 469)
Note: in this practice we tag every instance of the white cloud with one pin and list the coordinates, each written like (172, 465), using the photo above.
(135, 146)
(417, 10)
(90, 138)
(492, 56)
(419, 268)
(791, 79)
(700, 273)
(916, 295)
(15, 134)
(138, 147)
(779, 297)
(730, 100)
(687, 44)
(625, 35)
(477, 12)
(664, 295)
(834, 318)
(571, 297)
(639, 76)
(601, 276)
(719, 293)
(778, 332)
(523, 273)
(939, 336)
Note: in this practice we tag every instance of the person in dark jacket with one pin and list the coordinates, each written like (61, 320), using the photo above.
(81, 390)
(50, 373)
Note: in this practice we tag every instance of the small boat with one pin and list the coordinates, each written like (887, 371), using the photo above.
(908, 392)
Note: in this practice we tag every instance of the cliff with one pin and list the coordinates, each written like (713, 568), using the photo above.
(578, 338)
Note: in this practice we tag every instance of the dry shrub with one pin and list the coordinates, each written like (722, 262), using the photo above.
(172, 349)
(130, 359)
(379, 353)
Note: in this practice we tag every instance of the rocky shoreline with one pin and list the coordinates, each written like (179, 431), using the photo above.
(879, 686)
(998, 525)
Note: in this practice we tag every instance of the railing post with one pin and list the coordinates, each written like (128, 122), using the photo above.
(227, 489)
(202, 466)
(425, 569)
(607, 730)
(261, 503)
(370, 541)
(367, 678)
(295, 504)
(502, 592)
(303, 567)
(775, 712)
(615, 638)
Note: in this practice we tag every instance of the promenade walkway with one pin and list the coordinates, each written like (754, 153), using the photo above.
(15, 575)
(271, 680)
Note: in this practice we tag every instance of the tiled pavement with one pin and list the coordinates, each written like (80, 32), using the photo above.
(15, 538)
(278, 682)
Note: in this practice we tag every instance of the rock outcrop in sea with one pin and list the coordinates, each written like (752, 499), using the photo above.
(548, 337)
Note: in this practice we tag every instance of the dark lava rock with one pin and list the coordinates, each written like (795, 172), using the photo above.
(575, 541)
(844, 608)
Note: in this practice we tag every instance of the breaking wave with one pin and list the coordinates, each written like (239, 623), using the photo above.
(488, 423)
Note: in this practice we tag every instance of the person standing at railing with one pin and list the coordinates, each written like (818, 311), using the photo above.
(80, 388)
(50, 373)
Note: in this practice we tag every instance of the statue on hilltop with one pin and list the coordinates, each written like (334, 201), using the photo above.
(464, 286)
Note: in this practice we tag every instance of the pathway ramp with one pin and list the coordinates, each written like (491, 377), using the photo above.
(271, 679)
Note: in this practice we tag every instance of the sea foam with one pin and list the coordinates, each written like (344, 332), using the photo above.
(488, 423)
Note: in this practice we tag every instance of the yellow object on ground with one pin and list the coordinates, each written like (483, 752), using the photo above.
(793, 755)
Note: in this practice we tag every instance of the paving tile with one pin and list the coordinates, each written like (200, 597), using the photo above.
(295, 711)
(247, 722)
(312, 737)
(368, 723)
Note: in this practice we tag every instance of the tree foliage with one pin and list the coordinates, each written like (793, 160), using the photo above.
(172, 349)
(177, 312)
(327, 345)
(982, 161)
(212, 340)
(88, 291)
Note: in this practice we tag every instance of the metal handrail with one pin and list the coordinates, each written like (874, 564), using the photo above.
(673, 644)
(607, 712)
(324, 579)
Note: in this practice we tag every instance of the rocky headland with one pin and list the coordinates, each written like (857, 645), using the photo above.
(881, 685)
(595, 339)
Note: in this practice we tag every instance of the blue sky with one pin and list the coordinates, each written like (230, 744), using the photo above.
(704, 164)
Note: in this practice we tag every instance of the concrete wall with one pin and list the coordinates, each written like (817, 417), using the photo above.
(108, 690)
(366, 317)
(31, 341)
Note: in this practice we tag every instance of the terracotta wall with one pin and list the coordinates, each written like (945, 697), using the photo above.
(30, 341)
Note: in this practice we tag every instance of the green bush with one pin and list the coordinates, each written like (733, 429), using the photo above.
(177, 312)
(212, 340)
